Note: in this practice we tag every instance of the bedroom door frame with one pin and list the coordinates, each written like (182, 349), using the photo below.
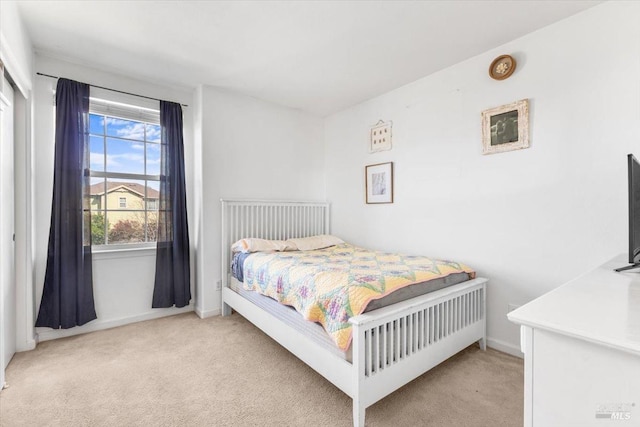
(7, 229)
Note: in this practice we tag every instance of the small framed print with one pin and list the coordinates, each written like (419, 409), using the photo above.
(379, 183)
(380, 137)
(506, 128)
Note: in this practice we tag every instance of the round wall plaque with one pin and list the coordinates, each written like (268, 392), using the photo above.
(502, 67)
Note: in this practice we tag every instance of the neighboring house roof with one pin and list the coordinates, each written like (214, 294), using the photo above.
(98, 189)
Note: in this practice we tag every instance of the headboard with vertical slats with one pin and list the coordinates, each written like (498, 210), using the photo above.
(269, 220)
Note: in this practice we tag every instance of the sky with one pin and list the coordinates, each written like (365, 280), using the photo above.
(125, 145)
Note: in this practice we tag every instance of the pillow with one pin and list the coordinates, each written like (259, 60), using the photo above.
(260, 245)
(315, 242)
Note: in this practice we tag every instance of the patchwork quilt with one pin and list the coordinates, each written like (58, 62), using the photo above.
(331, 285)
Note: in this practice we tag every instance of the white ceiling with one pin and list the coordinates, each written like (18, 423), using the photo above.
(320, 56)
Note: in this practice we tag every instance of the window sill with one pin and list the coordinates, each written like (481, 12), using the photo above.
(100, 254)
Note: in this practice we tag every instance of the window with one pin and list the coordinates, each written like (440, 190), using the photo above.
(125, 174)
(152, 204)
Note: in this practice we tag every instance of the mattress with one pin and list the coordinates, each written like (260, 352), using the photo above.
(402, 294)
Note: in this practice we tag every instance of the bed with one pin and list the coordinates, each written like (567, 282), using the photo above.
(390, 346)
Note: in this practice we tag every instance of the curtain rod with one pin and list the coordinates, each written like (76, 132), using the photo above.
(112, 90)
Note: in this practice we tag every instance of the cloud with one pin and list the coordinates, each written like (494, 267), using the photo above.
(133, 130)
(153, 133)
(155, 148)
(132, 157)
(115, 161)
(96, 160)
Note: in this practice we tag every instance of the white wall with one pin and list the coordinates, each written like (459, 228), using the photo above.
(123, 282)
(528, 220)
(15, 46)
(250, 149)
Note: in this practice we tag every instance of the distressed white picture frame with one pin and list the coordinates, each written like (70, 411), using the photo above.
(506, 128)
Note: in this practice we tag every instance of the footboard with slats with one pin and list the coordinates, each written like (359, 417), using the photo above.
(391, 345)
(396, 344)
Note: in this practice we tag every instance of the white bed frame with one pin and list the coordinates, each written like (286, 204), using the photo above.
(391, 345)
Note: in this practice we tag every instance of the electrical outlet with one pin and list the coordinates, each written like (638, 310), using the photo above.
(218, 285)
(512, 307)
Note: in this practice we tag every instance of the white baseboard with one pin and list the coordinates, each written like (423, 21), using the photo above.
(46, 334)
(30, 344)
(504, 347)
(207, 313)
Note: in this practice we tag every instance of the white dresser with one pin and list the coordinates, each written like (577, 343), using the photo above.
(581, 343)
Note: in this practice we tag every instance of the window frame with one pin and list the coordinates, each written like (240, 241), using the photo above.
(147, 116)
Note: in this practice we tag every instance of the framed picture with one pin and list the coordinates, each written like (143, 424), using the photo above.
(380, 136)
(505, 128)
(379, 183)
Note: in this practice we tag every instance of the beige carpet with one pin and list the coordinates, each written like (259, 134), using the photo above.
(185, 371)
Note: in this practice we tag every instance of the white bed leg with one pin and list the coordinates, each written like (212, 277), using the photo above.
(358, 414)
(483, 340)
(226, 309)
